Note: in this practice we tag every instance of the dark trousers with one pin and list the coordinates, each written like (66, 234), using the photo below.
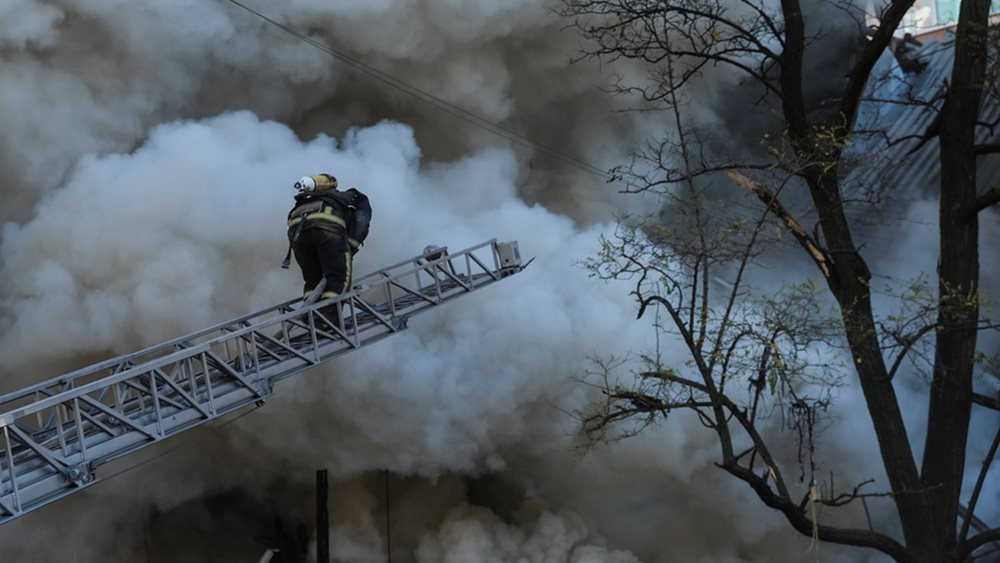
(323, 253)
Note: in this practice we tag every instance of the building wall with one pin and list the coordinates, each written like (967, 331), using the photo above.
(925, 15)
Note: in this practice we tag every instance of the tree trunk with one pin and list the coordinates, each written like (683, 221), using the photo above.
(958, 279)
(849, 283)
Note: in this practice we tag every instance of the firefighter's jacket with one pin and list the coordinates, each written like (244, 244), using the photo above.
(333, 210)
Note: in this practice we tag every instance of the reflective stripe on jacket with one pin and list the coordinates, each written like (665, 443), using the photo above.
(325, 215)
(325, 207)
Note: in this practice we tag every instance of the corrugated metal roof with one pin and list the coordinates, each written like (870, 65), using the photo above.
(895, 164)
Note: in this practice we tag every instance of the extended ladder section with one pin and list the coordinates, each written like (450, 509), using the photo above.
(56, 433)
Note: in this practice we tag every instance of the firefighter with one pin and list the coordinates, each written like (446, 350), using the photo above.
(326, 227)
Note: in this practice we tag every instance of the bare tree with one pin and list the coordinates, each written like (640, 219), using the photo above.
(756, 358)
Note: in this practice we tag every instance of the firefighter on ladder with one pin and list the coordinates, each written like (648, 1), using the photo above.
(326, 227)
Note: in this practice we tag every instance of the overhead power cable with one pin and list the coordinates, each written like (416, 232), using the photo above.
(437, 102)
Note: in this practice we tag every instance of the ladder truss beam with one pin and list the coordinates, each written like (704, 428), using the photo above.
(55, 434)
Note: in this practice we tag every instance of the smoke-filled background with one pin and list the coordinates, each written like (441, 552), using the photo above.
(148, 151)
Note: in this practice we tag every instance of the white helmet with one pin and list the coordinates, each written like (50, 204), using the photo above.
(305, 184)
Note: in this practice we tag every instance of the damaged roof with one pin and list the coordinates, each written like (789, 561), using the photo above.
(894, 155)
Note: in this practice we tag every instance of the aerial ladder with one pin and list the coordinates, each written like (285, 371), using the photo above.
(54, 435)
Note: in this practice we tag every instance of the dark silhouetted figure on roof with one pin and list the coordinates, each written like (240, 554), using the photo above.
(907, 51)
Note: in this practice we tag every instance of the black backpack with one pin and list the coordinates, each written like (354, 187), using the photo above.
(359, 216)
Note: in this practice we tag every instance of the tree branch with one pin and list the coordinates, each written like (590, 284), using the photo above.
(806, 526)
(985, 401)
(987, 148)
(643, 403)
(859, 75)
(979, 540)
(781, 501)
(979, 486)
(933, 130)
(737, 413)
(907, 343)
(739, 30)
(819, 256)
(846, 498)
(792, 99)
(988, 198)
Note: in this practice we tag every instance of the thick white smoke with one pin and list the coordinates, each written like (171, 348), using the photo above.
(84, 78)
(187, 231)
